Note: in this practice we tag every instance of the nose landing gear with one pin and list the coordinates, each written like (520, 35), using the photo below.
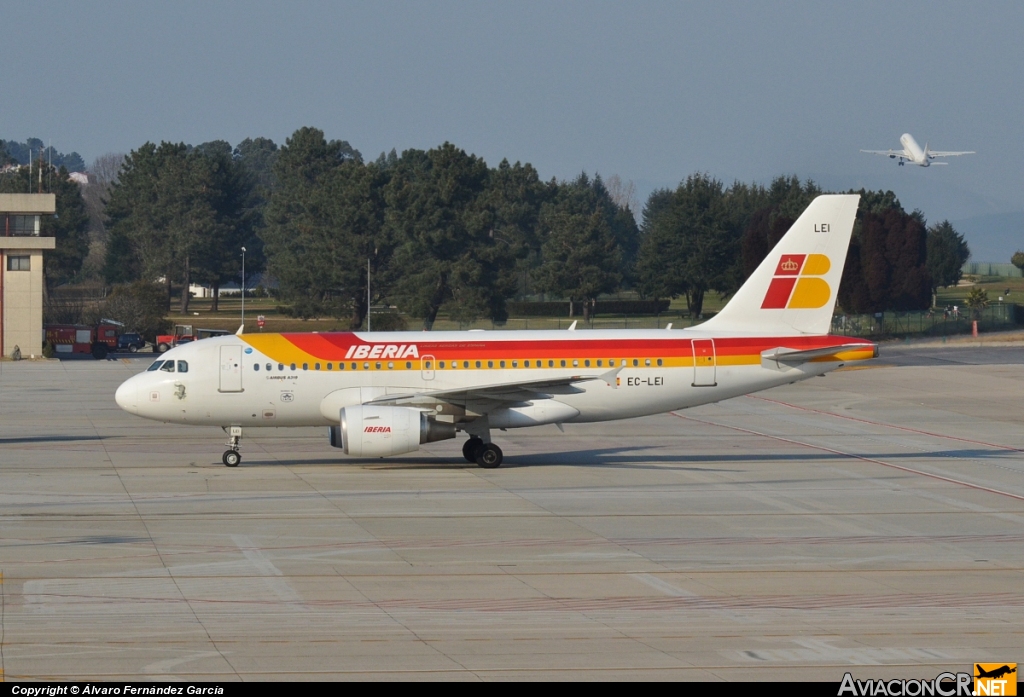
(231, 456)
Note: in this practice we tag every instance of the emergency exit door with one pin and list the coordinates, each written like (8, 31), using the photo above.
(230, 368)
(703, 362)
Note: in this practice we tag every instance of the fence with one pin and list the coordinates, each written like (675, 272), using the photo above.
(984, 268)
(933, 322)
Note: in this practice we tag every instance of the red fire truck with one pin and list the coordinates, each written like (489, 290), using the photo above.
(82, 338)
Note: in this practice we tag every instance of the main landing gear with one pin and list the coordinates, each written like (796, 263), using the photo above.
(486, 455)
(231, 457)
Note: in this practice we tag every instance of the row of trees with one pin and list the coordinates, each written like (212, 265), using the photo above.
(704, 237)
(182, 214)
(439, 231)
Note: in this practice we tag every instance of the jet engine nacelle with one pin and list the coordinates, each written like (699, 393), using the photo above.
(372, 431)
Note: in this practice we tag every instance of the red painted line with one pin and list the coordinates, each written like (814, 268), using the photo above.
(335, 346)
(898, 428)
(864, 458)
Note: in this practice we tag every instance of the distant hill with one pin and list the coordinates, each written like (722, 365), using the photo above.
(20, 152)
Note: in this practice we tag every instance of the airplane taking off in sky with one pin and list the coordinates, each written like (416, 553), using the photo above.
(913, 153)
(386, 393)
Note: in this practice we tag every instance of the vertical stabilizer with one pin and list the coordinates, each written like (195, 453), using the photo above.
(795, 287)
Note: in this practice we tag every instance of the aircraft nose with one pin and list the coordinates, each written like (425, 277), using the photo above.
(127, 396)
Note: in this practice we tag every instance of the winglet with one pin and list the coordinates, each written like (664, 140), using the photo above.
(241, 328)
(572, 327)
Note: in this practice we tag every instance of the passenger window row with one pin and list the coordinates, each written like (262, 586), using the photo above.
(453, 365)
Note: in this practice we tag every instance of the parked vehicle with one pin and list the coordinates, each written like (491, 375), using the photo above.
(131, 342)
(98, 340)
(183, 333)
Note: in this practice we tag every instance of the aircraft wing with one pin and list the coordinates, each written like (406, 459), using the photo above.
(792, 357)
(499, 393)
(889, 153)
(949, 153)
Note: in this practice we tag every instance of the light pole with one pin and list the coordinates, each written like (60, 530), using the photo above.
(243, 288)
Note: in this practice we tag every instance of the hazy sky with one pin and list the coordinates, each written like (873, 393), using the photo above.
(649, 91)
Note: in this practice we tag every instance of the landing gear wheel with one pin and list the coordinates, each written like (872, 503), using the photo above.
(231, 458)
(471, 448)
(489, 456)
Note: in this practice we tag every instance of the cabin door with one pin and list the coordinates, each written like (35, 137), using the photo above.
(703, 362)
(230, 368)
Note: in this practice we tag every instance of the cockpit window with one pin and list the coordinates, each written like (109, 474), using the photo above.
(168, 367)
(155, 366)
(182, 366)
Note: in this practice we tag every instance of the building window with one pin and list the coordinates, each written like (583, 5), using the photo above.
(18, 263)
(24, 225)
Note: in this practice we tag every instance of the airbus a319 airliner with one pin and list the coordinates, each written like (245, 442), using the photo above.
(384, 394)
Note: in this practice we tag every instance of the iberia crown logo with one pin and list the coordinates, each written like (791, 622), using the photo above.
(797, 283)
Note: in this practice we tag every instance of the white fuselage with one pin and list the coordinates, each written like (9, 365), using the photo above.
(913, 151)
(265, 380)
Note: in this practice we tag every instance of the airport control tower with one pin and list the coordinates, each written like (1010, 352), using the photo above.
(21, 271)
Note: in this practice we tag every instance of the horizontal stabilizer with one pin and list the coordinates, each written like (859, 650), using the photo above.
(792, 357)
